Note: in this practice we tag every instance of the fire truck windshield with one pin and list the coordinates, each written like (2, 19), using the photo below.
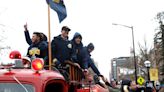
(15, 87)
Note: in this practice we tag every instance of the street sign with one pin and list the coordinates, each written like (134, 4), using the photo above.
(153, 74)
(140, 80)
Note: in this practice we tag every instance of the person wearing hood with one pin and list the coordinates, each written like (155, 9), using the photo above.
(87, 61)
(77, 46)
(61, 47)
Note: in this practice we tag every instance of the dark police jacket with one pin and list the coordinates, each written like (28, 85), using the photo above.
(61, 49)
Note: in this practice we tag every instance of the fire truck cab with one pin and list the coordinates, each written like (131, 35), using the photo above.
(16, 78)
(19, 77)
(27, 80)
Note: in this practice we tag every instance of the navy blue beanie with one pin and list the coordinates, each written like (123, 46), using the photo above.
(90, 46)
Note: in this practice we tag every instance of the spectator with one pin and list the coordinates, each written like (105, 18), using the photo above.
(157, 86)
(125, 84)
(114, 84)
(133, 87)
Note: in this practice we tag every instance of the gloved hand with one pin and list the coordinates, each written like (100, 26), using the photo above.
(56, 62)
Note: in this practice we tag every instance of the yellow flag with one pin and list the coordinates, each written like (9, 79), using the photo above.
(56, 1)
(153, 74)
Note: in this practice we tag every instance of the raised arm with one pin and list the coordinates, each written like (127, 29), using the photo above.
(27, 35)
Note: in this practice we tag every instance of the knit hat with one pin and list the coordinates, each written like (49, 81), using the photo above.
(90, 46)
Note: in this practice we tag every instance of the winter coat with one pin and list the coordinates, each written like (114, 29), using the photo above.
(84, 57)
(86, 61)
(40, 49)
(76, 48)
(61, 49)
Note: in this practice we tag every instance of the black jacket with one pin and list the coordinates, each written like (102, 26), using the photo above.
(76, 48)
(61, 49)
(84, 57)
(41, 50)
(43, 46)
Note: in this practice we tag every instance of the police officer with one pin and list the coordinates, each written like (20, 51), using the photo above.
(61, 47)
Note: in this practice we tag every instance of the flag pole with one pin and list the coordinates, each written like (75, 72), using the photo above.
(49, 38)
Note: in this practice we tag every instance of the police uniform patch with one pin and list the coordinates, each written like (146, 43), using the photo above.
(69, 46)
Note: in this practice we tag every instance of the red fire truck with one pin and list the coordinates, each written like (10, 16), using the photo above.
(19, 77)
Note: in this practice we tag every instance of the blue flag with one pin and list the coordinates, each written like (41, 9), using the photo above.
(59, 7)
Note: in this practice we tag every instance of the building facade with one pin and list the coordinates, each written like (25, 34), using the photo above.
(121, 66)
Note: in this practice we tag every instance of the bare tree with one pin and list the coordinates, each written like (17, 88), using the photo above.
(159, 45)
(145, 53)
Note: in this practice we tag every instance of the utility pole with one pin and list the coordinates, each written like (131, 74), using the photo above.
(135, 62)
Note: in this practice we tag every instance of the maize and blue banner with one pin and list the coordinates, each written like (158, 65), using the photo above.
(59, 7)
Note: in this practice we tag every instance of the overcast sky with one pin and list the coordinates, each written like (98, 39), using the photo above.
(92, 18)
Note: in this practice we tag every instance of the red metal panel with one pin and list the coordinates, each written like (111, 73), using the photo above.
(82, 90)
